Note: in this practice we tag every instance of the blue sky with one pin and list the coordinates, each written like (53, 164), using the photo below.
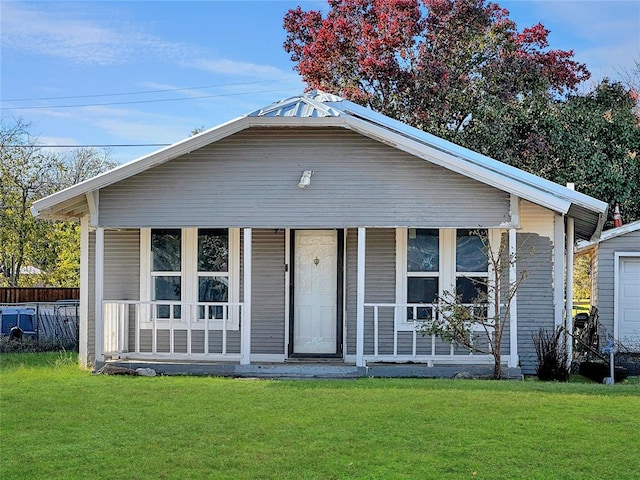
(208, 62)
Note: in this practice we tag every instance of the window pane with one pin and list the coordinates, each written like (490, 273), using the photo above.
(162, 311)
(213, 250)
(422, 290)
(423, 250)
(213, 289)
(471, 255)
(165, 250)
(421, 313)
(167, 288)
(471, 288)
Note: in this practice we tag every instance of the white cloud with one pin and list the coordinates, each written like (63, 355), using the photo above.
(57, 141)
(68, 34)
(244, 69)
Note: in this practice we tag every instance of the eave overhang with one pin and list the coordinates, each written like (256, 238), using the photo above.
(318, 109)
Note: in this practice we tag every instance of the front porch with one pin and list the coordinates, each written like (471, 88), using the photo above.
(207, 339)
(249, 324)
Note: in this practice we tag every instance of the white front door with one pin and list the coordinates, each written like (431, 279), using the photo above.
(315, 292)
(629, 301)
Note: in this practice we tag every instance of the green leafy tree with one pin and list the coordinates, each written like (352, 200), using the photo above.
(27, 173)
(596, 143)
(592, 140)
(582, 278)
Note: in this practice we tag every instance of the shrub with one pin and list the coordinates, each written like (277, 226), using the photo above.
(32, 345)
(553, 358)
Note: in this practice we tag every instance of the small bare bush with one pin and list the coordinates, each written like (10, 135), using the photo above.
(553, 358)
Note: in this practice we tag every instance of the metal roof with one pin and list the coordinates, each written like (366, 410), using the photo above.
(318, 108)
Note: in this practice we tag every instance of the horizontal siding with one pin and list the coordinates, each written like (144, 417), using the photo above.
(122, 270)
(267, 299)
(535, 295)
(380, 286)
(122, 265)
(605, 271)
(251, 178)
(180, 341)
(536, 219)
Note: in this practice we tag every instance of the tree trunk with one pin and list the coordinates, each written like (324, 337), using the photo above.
(497, 374)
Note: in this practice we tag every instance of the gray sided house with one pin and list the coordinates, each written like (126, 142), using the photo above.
(311, 230)
(615, 281)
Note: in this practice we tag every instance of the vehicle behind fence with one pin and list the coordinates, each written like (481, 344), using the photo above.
(52, 325)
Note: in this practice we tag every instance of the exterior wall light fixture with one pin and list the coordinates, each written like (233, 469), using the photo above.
(305, 180)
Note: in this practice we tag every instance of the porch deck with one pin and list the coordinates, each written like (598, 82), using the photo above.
(312, 369)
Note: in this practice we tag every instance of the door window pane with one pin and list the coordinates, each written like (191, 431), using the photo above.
(166, 246)
(423, 250)
(213, 250)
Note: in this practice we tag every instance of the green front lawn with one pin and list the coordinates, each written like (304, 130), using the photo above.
(59, 422)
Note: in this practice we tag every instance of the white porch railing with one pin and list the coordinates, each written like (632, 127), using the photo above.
(172, 329)
(399, 325)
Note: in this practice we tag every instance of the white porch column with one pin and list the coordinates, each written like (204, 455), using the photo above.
(558, 270)
(245, 347)
(362, 237)
(513, 306)
(568, 321)
(99, 290)
(83, 327)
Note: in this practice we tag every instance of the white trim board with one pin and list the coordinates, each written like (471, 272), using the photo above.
(618, 256)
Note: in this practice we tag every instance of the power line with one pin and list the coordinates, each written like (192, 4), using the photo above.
(141, 92)
(141, 101)
(105, 145)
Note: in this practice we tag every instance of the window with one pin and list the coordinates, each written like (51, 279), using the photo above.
(213, 272)
(471, 264)
(166, 271)
(191, 270)
(422, 272)
(432, 261)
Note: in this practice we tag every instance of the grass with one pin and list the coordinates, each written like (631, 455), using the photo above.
(58, 422)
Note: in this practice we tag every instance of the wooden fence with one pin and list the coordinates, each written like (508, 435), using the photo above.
(37, 294)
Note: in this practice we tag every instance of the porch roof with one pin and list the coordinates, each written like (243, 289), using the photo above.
(317, 109)
(616, 232)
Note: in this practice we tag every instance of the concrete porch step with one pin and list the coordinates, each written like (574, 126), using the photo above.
(257, 370)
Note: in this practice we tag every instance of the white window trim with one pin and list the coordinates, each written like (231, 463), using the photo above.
(494, 236)
(189, 274)
(402, 275)
(447, 273)
(618, 256)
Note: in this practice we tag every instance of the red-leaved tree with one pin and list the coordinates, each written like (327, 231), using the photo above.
(430, 64)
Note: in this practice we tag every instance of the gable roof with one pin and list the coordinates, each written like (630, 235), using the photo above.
(317, 108)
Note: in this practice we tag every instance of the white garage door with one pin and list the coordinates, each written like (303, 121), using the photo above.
(628, 305)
